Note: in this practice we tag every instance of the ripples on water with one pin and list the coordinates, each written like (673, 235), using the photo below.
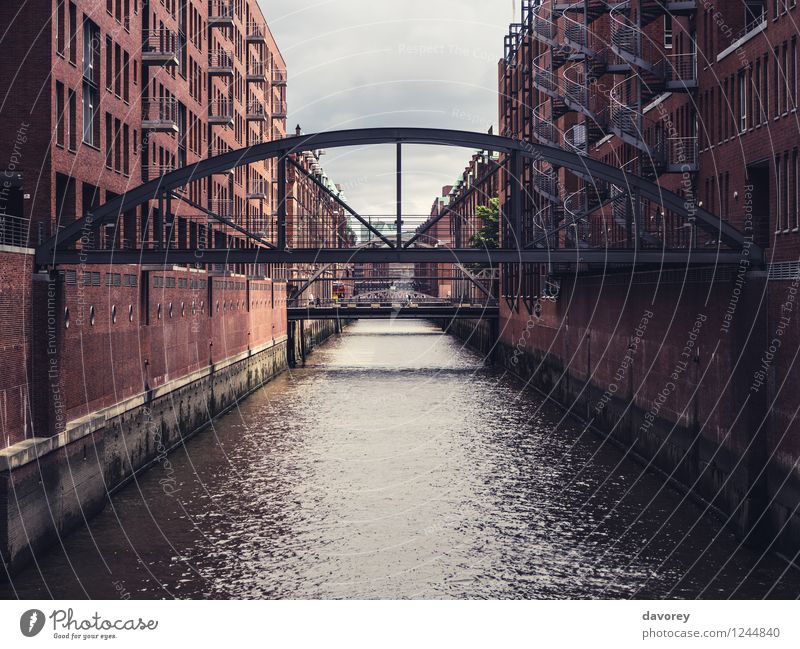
(395, 465)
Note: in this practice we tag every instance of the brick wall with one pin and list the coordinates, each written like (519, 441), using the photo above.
(15, 323)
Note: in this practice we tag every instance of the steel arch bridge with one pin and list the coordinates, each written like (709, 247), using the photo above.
(723, 245)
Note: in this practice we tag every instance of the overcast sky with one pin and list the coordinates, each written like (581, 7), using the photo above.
(361, 63)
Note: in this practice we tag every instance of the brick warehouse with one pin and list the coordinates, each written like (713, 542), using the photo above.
(109, 95)
(703, 99)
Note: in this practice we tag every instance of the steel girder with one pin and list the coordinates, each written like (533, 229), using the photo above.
(598, 257)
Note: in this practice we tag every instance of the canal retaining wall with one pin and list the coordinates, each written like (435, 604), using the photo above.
(49, 486)
(691, 372)
(108, 369)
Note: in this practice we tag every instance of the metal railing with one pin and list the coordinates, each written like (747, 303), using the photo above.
(220, 109)
(222, 207)
(681, 67)
(543, 77)
(256, 31)
(583, 39)
(278, 77)
(258, 187)
(220, 11)
(544, 129)
(162, 110)
(278, 108)
(546, 182)
(161, 43)
(220, 60)
(14, 230)
(682, 151)
(256, 110)
(151, 172)
(257, 70)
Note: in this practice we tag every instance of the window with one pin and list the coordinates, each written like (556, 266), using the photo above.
(91, 51)
(109, 142)
(776, 83)
(73, 33)
(765, 90)
(795, 175)
(742, 102)
(117, 146)
(60, 116)
(91, 73)
(778, 194)
(118, 68)
(109, 65)
(90, 114)
(60, 7)
(73, 120)
(793, 77)
(125, 150)
(785, 86)
(126, 92)
(668, 32)
(787, 183)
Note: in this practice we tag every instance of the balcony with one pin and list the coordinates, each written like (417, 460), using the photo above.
(682, 154)
(256, 32)
(278, 108)
(546, 184)
(220, 64)
(220, 13)
(160, 115)
(681, 71)
(584, 40)
(14, 230)
(581, 96)
(278, 77)
(160, 47)
(221, 207)
(257, 72)
(152, 172)
(258, 189)
(256, 112)
(220, 112)
(593, 8)
(543, 128)
(545, 30)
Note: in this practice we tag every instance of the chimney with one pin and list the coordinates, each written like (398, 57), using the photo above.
(298, 130)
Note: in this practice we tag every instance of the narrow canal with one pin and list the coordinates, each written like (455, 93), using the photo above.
(395, 465)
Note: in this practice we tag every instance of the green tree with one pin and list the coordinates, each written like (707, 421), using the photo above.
(489, 234)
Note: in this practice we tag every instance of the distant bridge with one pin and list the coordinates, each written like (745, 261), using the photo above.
(392, 311)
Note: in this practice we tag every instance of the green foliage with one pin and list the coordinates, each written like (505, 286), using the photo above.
(489, 234)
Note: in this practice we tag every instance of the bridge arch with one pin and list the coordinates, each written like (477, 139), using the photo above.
(281, 149)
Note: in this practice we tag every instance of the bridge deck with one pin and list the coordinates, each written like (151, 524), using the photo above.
(392, 311)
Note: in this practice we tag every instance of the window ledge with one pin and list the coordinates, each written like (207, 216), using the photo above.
(742, 40)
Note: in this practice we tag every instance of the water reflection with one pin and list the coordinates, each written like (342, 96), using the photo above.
(395, 465)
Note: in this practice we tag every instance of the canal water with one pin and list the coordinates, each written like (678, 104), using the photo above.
(397, 465)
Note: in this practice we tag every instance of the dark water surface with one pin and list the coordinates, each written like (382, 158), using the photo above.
(395, 465)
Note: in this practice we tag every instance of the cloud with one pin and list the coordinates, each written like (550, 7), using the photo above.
(361, 63)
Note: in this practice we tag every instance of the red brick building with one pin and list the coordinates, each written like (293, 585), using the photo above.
(100, 97)
(702, 99)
